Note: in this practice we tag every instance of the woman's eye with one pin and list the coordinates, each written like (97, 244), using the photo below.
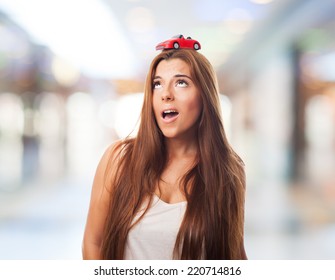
(156, 85)
(182, 83)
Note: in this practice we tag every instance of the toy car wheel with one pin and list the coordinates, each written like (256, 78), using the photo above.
(176, 45)
(196, 46)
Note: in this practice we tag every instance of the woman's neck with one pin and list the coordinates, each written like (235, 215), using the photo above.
(177, 148)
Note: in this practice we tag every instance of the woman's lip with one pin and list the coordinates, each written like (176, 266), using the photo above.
(170, 120)
(168, 109)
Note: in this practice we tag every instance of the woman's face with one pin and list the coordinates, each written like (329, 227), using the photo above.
(176, 100)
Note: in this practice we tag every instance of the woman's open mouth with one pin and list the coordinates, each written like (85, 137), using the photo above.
(169, 115)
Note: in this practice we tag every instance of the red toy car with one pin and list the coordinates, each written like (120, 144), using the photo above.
(177, 42)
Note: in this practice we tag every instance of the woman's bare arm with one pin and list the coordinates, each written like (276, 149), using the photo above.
(98, 209)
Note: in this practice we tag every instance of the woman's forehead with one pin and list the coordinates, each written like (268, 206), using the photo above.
(172, 66)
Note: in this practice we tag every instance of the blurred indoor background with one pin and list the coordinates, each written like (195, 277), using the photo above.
(71, 82)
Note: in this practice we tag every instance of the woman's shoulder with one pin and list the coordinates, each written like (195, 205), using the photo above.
(108, 164)
(110, 152)
(114, 151)
(113, 155)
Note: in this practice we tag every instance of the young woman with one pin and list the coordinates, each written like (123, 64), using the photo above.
(176, 190)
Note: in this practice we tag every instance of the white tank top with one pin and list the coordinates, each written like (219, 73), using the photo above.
(154, 237)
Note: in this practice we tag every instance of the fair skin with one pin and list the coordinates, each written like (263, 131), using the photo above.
(174, 90)
(98, 209)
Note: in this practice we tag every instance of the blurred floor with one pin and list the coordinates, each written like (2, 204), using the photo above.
(289, 222)
(44, 222)
(47, 222)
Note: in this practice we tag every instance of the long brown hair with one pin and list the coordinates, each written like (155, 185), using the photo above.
(213, 223)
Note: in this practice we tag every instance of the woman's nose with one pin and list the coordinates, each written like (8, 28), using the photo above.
(167, 95)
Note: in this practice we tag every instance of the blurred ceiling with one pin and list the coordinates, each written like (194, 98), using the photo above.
(117, 38)
(219, 25)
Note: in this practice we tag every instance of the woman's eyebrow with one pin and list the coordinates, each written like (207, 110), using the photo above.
(182, 76)
(175, 76)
